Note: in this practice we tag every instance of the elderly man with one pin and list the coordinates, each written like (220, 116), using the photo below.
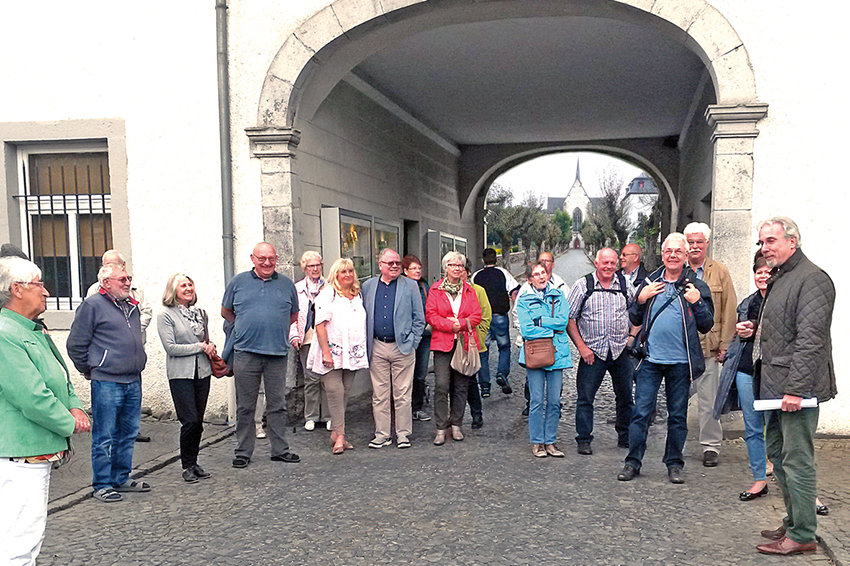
(262, 304)
(599, 327)
(793, 356)
(631, 266)
(501, 288)
(106, 346)
(716, 341)
(395, 321)
(672, 308)
(114, 257)
(301, 335)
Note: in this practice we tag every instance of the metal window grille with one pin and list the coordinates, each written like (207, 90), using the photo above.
(66, 220)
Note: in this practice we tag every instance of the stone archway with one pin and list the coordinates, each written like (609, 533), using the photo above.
(324, 48)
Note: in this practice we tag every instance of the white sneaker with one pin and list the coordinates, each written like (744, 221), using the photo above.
(328, 424)
(310, 425)
(261, 433)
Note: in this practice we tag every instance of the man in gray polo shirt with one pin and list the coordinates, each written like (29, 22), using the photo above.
(262, 304)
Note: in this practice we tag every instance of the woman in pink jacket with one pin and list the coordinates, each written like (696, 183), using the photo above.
(451, 304)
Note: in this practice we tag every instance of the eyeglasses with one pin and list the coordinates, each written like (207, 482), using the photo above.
(261, 260)
(38, 283)
(123, 280)
(673, 252)
(314, 266)
(392, 263)
(456, 265)
(627, 254)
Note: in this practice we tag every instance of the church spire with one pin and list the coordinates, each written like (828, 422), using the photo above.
(578, 173)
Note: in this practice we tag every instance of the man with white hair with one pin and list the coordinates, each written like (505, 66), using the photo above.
(716, 341)
(672, 308)
(793, 360)
(106, 346)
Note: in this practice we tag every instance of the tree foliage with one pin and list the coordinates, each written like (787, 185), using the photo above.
(565, 222)
(608, 222)
(503, 218)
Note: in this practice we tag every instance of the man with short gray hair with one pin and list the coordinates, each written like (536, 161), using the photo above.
(716, 341)
(793, 361)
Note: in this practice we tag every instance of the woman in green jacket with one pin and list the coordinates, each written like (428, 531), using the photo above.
(38, 411)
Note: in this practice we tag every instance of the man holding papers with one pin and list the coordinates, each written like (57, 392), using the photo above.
(793, 361)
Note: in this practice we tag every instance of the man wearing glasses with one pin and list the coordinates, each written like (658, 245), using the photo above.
(631, 266)
(395, 321)
(261, 304)
(672, 308)
(106, 345)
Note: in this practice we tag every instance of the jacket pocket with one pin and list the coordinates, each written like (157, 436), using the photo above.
(781, 361)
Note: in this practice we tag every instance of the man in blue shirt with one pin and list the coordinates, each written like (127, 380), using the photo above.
(395, 321)
(672, 308)
(262, 304)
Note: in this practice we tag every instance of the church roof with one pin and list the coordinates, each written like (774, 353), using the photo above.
(642, 185)
(554, 204)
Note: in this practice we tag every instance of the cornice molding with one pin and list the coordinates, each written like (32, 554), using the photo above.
(738, 121)
(273, 142)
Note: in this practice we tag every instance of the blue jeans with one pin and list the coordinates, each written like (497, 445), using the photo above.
(500, 330)
(116, 414)
(420, 370)
(753, 426)
(677, 382)
(544, 411)
(588, 379)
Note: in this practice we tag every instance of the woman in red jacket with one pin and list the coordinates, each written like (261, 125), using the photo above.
(451, 304)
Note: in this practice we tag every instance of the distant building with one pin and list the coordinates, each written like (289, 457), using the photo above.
(577, 204)
(640, 198)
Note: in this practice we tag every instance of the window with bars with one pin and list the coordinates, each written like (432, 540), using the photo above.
(66, 219)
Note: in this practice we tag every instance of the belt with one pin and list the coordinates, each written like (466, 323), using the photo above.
(385, 340)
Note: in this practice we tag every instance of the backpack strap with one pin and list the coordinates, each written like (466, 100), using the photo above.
(591, 288)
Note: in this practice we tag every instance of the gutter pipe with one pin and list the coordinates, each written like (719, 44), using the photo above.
(224, 140)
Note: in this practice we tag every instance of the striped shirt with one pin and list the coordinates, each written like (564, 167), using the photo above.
(604, 322)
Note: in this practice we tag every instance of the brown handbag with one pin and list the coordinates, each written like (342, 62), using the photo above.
(540, 352)
(219, 366)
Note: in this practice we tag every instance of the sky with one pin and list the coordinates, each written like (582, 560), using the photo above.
(553, 175)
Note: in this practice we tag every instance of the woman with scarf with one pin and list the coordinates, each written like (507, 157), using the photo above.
(184, 332)
(454, 313)
(544, 313)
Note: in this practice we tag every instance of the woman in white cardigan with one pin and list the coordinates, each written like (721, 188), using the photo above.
(183, 329)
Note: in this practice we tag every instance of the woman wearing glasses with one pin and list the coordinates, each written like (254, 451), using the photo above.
(452, 310)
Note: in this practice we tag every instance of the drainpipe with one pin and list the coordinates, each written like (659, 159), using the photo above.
(224, 139)
(226, 167)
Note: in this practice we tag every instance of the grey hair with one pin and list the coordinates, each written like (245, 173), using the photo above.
(106, 271)
(599, 253)
(308, 255)
(698, 228)
(455, 257)
(789, 227)
(678, 236)
(15, 270)
(109, 252)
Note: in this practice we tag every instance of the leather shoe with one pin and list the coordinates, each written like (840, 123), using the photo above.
(774, 534)
(477, 422)
(785, 547)
(749, 495)
(539, 451)
(710, 458)
(584, 448)
(675, 475)
(553, 451)
(629, 473)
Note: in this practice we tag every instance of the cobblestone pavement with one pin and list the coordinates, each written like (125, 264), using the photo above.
(484, 501)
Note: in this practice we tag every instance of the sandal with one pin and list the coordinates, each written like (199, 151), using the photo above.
(240, 462)
(107, 495)
(287, 457)
(132, 486)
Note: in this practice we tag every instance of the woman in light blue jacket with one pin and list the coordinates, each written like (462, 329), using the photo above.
(544, 313)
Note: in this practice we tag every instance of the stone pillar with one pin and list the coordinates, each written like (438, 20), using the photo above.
(275, 148)
(733, 134)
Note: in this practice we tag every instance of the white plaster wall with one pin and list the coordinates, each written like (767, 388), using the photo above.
(797, 53)
(153, 65)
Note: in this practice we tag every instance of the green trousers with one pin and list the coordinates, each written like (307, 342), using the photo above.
(791, 448)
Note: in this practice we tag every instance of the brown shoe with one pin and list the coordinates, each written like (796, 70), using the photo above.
(774, 535)
(785, 547)
(440, 439)
(553, 451)
(539, 451)
(457, 435)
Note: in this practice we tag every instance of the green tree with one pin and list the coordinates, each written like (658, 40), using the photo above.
(565, 223)
(503, 218)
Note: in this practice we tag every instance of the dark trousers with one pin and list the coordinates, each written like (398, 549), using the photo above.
(473, 397)
(677, 382)
(450, 392)
(420, 370)
(190, 401)
(248, 370)
(588, 379)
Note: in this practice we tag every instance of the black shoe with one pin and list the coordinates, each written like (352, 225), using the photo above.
(142, 438)
(503, 383)
(189, 476)
(821, 509)
(525, 411)
(629, 473)
(485, 391)
(287, 457)
(622, 444)
(477, 422)
(749, 495)
(710, 458)
(584, 448)
(199, 471)
(241, 462)
(675, 475)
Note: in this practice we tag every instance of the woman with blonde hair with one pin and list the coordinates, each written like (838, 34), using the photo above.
(339, 347)
(184, 331)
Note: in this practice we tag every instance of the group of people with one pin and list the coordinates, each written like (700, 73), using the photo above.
(678, 324)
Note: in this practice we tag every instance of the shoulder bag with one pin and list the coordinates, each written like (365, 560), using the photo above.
(540, 352)
(465, 359)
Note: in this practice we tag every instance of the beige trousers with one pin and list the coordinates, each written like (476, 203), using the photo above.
(336, 384)
(392, 382)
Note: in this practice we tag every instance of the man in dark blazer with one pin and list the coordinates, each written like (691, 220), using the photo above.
(631, 266)
(395, 321)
